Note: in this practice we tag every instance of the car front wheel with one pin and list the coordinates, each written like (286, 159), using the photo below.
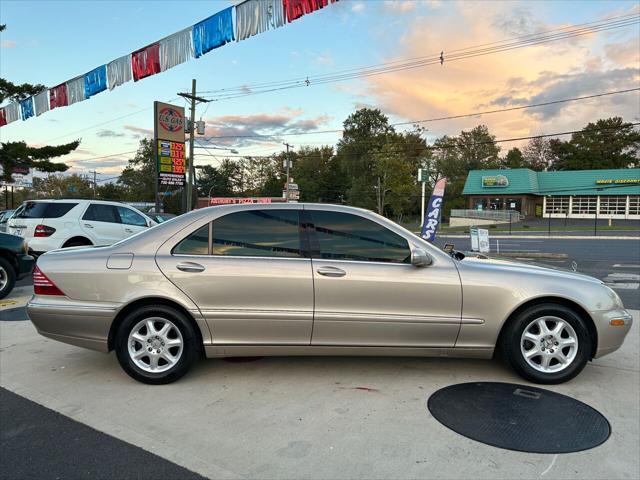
(547, 344)
(157, 345)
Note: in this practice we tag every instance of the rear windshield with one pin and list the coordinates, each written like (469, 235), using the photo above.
(43, 210)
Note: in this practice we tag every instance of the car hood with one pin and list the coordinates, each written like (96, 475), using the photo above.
(498, 264)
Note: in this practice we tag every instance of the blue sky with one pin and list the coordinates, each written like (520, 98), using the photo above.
(52, 41)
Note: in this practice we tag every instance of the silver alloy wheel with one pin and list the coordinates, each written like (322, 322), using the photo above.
(155, 344)
(4, 278)
(549, 344)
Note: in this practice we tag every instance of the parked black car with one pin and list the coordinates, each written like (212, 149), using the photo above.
(15, 262)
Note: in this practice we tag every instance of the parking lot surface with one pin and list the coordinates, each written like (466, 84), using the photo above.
(316, 417)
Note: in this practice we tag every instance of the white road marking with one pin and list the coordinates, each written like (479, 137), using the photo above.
(553, 462)
(623, 276)
(624, 265)
(623, 286)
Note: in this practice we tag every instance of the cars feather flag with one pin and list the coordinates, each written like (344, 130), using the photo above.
(432, 218)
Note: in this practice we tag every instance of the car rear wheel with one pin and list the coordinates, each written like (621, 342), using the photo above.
(157, 344)
(7, 278)
(547, 344)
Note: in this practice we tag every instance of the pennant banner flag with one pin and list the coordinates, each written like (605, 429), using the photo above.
(176, 49)
(58, 96)
(432, 217)
(41, 102)
(95, 81)
(213, 32)
(119, 71)
(258, 16)
(27, 108)
(251, 18)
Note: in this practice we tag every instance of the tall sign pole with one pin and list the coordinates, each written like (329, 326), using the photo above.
(192, 125)
(422, 177)
(288, 166)
(168, 144)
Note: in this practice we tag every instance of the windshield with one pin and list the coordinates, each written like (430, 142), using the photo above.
(43, 209)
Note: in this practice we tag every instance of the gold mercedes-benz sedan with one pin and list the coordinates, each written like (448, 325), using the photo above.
(313, 279)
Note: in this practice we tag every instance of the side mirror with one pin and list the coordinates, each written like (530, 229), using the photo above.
(420, 258)
(150, 223)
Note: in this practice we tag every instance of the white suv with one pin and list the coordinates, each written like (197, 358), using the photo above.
(51, 224)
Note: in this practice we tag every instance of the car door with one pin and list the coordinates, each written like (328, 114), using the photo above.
(132, 222)
(248, 274)
(101, 223)
(367, 292)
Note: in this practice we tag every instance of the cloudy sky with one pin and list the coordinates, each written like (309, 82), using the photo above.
(52, 41)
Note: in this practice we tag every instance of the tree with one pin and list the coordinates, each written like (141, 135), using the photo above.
(455, 156)
(365, 132)
(320, 175)
(56, 186)
(111, 191)
(513, 159)
(608, 143)
(537, 154)
(219, 182)
(13, 154)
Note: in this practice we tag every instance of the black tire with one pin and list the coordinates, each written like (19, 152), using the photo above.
(9, 275)
(512, 336)
(191, 349)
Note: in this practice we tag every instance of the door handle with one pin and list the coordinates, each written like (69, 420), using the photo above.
(128, 230)
(331, 272)
(190, 267)
(88, 225)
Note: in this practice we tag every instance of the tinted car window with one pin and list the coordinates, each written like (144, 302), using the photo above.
(44, 209)
(343, 236)
(258, 233)
(101, 213)
(129, 217)
(195, 244)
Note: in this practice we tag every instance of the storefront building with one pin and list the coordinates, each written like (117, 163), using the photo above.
(565, 194)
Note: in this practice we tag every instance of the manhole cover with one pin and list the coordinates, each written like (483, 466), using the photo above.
(519, 417)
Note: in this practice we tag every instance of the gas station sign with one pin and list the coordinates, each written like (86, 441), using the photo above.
(169, 143)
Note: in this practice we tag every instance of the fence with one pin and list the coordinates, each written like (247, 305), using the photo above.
(498, 215)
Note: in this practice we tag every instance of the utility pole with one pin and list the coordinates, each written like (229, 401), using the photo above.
(192, 125)
(95, 185)
(288, 166)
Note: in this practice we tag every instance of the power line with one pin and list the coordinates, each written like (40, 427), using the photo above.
(434, 56)
(452, 146)
(390, 67)
(437, 119)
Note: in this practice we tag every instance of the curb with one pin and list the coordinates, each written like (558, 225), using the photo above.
(552, 237)
(532, 255)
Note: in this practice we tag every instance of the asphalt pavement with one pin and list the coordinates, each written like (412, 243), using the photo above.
(37, 442)
(616, 262)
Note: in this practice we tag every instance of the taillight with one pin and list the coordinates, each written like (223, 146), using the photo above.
(42, 285)
(44, 231)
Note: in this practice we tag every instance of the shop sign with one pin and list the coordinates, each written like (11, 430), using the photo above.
(619, 181)
(237, 200)
(495, 181)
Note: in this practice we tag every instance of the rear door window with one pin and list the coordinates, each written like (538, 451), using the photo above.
(101, 213)
(195, 244)
(344, 236)
(44, 209)
(258, 233)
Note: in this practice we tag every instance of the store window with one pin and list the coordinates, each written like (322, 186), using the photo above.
(634, 205)
(613, 205)
(584, 205)
(557, 205)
